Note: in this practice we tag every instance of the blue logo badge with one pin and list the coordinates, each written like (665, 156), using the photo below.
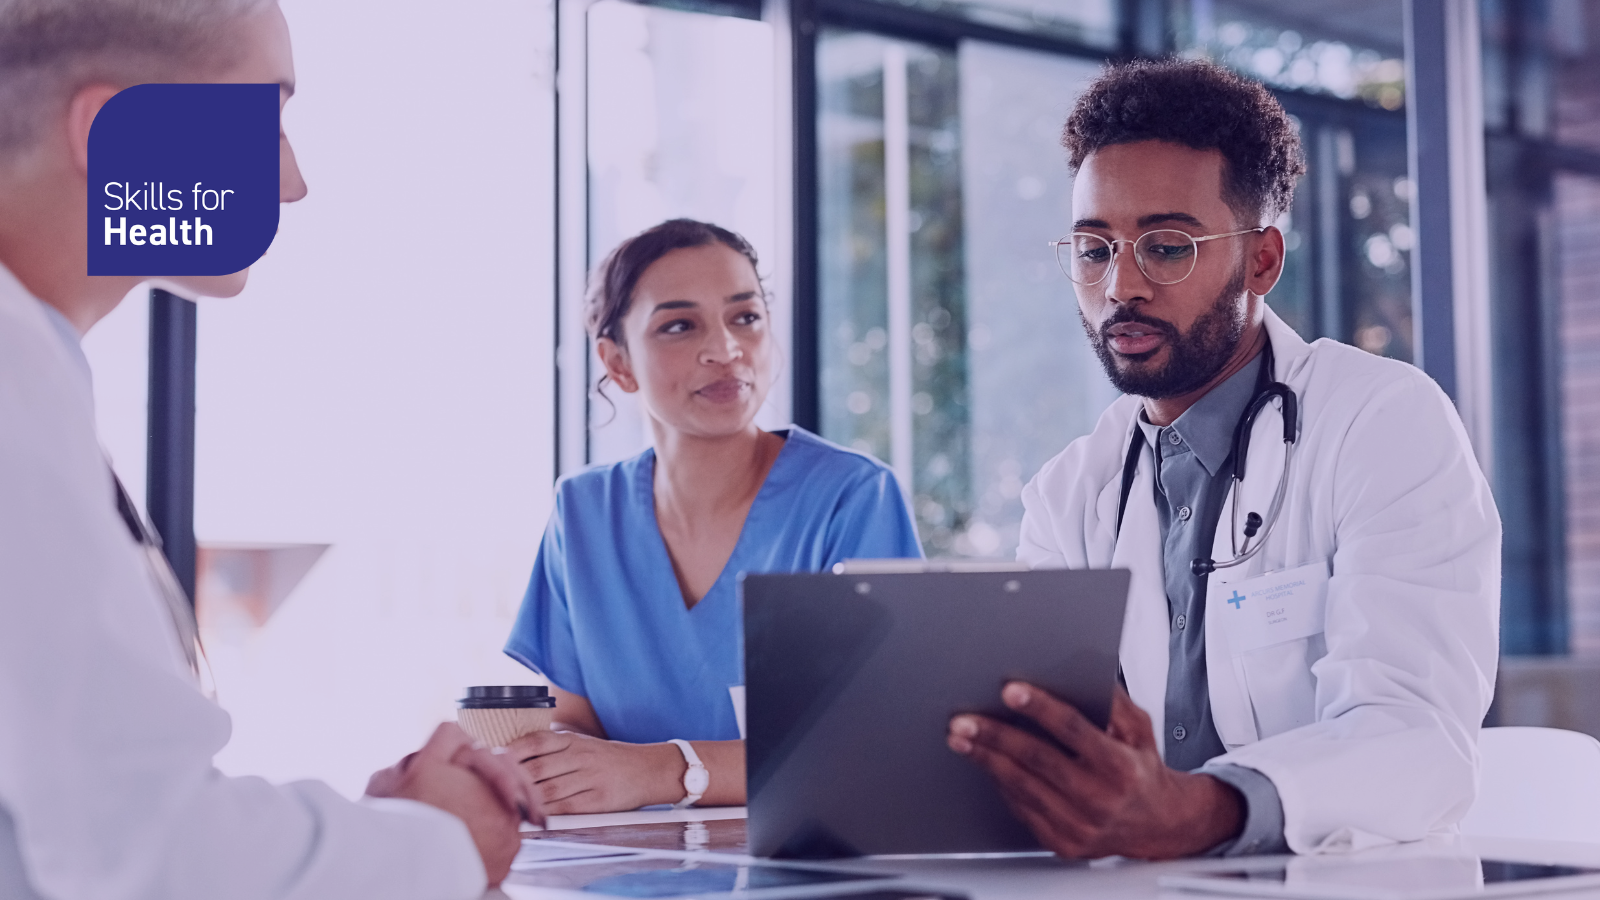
(183, 179)
(1236, 599)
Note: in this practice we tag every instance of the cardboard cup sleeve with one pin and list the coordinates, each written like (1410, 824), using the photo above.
(499, 727)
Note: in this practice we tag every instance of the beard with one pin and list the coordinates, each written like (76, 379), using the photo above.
(1194, 358)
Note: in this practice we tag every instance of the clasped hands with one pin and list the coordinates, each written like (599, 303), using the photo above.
(1107, 793)
(483, 788)
(544, 773)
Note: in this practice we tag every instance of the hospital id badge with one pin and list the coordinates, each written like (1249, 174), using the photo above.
(1280, 606)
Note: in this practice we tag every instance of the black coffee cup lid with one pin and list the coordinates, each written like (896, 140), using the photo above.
(507, 696)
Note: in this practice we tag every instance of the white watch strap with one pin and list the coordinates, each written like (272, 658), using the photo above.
(690, 796)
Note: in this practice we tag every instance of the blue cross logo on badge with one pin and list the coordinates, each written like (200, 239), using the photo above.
(1236, 599)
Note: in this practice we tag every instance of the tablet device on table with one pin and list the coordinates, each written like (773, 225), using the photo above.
(661, 877)
(851, 680)
(1423, 878)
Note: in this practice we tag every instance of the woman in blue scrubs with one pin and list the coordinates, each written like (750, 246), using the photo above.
(632, 613)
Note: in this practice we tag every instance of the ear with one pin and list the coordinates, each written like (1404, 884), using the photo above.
(85, 105)
(1265, 265)
(615, 359)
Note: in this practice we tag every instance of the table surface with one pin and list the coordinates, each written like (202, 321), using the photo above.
(718, 835)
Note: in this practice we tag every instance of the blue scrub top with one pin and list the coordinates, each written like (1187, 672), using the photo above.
(604, 617)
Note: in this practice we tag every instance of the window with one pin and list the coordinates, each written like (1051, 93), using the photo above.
(1574, 244)
(1347, 274)
(1091, 23)
(681, 122)
(948, 343)
(893, 304)
(1543, 161)
(1349, 51)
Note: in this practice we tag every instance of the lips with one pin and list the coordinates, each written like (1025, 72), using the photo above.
(725, 390)
(1134, 338)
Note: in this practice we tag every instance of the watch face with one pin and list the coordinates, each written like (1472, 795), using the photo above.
(696, 780)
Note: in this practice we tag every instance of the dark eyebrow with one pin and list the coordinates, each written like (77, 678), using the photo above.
(1145, 221)
(740, 297)
(1163, 218)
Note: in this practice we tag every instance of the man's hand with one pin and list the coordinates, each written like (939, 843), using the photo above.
(483, 788)
(1115, 797)
(577, 773)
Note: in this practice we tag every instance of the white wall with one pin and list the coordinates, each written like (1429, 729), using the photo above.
(383, 385)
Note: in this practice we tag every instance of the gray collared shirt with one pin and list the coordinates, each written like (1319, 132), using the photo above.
(1193, 476)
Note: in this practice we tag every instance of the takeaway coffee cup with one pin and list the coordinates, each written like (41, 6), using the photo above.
(499, 714)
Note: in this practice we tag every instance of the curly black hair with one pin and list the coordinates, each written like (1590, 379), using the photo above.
(1202, 105)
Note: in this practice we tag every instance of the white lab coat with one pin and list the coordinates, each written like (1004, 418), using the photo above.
(107, 788)
(1368, 730)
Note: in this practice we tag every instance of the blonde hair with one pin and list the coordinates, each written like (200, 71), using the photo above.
(49, 49)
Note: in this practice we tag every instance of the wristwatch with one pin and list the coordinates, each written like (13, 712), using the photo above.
(695, 778)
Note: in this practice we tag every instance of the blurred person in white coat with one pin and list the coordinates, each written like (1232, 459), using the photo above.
(1312, 625)
(107, 787)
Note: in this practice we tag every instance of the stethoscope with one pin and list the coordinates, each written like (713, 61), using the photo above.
(1266, 391)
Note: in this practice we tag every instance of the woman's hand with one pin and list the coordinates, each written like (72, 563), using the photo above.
(581, 774)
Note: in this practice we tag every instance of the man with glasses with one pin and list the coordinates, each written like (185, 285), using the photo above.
(1311, 635)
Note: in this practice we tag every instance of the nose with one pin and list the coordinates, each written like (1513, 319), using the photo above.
(721, 346)
(1126, 282)
(291, 184)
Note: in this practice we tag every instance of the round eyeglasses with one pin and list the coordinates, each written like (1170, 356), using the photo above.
(1165, 256)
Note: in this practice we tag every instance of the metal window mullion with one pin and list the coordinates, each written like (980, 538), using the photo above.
(1427, 146)
(897, 228)
(169, 457)
(1449, 268)
(1556, 630)
(1469, 234)
(572, 235)
(806, 345)
(1330, 214)
(781, 267)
